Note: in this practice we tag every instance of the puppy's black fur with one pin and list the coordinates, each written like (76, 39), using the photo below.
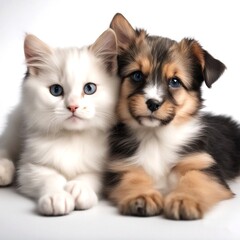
(165, 154)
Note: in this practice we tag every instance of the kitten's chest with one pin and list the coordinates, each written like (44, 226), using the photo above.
(72, 155)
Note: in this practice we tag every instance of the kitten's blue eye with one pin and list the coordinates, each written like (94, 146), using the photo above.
(56, 90)
(137, 76)
(90, 88)
(174, 83)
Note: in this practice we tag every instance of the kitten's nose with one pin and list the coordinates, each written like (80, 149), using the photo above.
(72, 108)
(153, 104)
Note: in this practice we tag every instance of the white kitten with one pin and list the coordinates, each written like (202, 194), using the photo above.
(57, 136)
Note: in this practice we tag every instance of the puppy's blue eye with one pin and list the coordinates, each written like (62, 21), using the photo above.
(56, 90)
(174, 83)
(137, 76)
(90, 88)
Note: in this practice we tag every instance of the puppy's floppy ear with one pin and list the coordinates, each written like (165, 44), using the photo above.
(123, 29)
(212, 68)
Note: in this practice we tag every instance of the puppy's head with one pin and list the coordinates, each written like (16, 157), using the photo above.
(161, 78)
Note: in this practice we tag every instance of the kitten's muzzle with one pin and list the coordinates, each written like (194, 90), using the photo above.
(153, 104)
(72, 108)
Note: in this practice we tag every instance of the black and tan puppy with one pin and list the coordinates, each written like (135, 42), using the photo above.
(166, 155)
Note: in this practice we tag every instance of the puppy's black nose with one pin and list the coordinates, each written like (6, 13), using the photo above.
(153, 104)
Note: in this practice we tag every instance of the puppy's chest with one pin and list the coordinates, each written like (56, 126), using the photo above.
(157, 158)
(159, 152)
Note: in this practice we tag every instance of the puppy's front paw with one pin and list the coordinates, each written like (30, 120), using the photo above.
(181, 206)
(146, 204)
(7, 171)
(56, 204)
(83, 195)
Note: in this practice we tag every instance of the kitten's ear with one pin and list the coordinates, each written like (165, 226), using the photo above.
(212, 68)
(35, 52)
(105, 47)
(123, 29)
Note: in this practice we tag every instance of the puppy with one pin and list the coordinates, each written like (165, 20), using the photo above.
(166, 156)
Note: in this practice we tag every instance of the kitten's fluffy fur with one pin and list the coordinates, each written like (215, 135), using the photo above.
(166, 155)
(57, 136)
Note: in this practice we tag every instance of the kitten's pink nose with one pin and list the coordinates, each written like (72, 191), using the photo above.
(72, 108)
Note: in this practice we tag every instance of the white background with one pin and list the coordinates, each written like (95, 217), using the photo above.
(215, 24)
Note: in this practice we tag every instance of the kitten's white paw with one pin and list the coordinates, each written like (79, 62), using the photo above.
(7, 171)
(56, 204)
(84, 196)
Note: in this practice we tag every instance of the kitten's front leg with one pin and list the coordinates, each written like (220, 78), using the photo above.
(56, 204)
(133, 192)
(10, 144)
(84, 189)
(7, 171)
(47, 186)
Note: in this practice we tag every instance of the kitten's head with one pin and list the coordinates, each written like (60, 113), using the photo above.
(160, 78)
(70, 88)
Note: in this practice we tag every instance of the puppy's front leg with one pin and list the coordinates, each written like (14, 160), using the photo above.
(134, 193)
(197, 189)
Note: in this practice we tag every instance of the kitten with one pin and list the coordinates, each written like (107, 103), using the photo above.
(57, 135)
(166, 155)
